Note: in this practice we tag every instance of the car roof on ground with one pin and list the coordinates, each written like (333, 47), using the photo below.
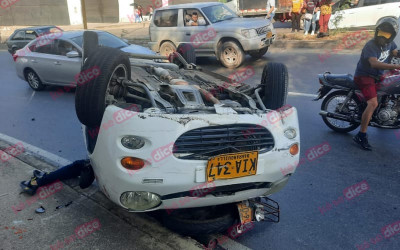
(189, 5)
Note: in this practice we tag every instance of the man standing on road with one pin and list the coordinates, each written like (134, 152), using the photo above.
(295, 10)
(270, 10)
(375, 58)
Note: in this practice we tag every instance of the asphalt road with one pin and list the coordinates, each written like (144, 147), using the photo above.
(52, 125)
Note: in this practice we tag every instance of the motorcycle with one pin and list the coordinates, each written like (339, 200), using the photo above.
(342, 109)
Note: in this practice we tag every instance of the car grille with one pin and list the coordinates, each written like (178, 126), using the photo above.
(203, 143)
(262, 30)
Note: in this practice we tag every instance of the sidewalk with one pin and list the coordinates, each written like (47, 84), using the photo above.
(138, 33)
(91, 221)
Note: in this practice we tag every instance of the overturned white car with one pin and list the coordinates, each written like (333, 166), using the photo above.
(171, 136)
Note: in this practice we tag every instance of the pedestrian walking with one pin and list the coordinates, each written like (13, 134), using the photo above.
(140, 12)
(137, 16)
(310, 16)
(295, 10)
(326, 10)
(270, 10)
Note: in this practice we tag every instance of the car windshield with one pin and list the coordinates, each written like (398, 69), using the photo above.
(219, 13)
(105, 39)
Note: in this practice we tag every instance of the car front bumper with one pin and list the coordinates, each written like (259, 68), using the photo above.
(172, 178)
(258, 43)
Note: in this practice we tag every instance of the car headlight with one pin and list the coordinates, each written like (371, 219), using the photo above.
(132, 142)
(290, 133)
(140, 201)
(249, 33)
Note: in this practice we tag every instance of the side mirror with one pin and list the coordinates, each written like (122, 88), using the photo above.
(73, 54)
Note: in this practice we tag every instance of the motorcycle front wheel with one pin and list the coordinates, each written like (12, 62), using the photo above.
(332, 103)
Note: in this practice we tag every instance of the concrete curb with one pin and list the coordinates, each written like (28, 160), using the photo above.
(142, 222)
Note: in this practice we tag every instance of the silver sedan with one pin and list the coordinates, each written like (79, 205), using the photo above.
(55, 59)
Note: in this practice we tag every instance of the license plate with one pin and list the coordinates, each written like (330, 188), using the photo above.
(269, 34)
(230, 166)
(245, 213)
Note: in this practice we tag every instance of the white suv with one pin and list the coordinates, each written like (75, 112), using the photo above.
(366, 13)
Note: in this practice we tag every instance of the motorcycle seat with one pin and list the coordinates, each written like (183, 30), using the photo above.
(343, 80)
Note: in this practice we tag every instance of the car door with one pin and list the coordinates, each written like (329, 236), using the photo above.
(391, 8)
(166, 26)
(64, 68)
(368, 13)
(202, 36)
(41, 60)
(342, 18)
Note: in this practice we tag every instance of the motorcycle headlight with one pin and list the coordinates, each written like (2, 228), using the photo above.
(249, 33)
(132, 142)
(140, 201)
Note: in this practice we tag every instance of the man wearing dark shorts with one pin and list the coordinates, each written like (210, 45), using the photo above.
(375, 58)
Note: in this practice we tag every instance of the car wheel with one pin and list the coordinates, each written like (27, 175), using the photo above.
(231, 55)
(167, 48)
(93, 96)
(188, 53)
(201, 221)
(275, 81)
(259, 53)
(33, 80)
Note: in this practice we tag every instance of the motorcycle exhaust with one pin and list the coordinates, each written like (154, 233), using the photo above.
(338, 116)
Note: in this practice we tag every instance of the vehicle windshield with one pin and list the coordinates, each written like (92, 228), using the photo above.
(219, 13)
(105, 39)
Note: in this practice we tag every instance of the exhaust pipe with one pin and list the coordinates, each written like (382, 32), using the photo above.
(338, 116)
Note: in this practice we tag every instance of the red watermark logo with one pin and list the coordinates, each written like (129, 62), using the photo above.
(11, 152)
(348, 194)
(80, 79)
(387, 232)
(42, 193)
(119, 117)
(7, 3)
(348, 41)
(201, 38)
(311, 155)
(195, 193)
(80, 232)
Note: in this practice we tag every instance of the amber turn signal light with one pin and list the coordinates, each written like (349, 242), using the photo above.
(132, 163)
(294, 149)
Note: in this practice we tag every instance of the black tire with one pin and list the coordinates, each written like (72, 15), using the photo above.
(188, 52)
(90, 97)
(202, 221)
(167, 48)
(259, 53)
(231, 54)
(90, 44)
(275, 81)
(324, 107)
(33, 80)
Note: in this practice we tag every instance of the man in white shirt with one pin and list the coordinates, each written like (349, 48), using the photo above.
(196, 21)
(270, 10)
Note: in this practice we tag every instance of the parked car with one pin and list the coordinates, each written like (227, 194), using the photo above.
(22, 37)
(367, 13)
(221, 32)
(175, 138)
(56, 59)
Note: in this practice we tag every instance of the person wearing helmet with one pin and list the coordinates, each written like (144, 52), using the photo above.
(375, 58)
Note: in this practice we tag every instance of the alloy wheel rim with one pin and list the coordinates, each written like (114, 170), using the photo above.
(332, 107)
(119, 74)
(231, 55)
(33, 80)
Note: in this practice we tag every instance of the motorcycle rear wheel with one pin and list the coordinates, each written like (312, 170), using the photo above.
(334, 123)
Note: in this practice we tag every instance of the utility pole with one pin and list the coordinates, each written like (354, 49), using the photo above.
(84, 19)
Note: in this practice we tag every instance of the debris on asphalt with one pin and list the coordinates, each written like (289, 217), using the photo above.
(33, 119)
(40, 210)
(65, 205)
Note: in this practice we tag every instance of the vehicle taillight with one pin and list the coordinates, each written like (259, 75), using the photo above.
(15, 56)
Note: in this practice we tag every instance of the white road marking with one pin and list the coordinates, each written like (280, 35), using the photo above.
(33, 150)
(302, 94)
(33, 94)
